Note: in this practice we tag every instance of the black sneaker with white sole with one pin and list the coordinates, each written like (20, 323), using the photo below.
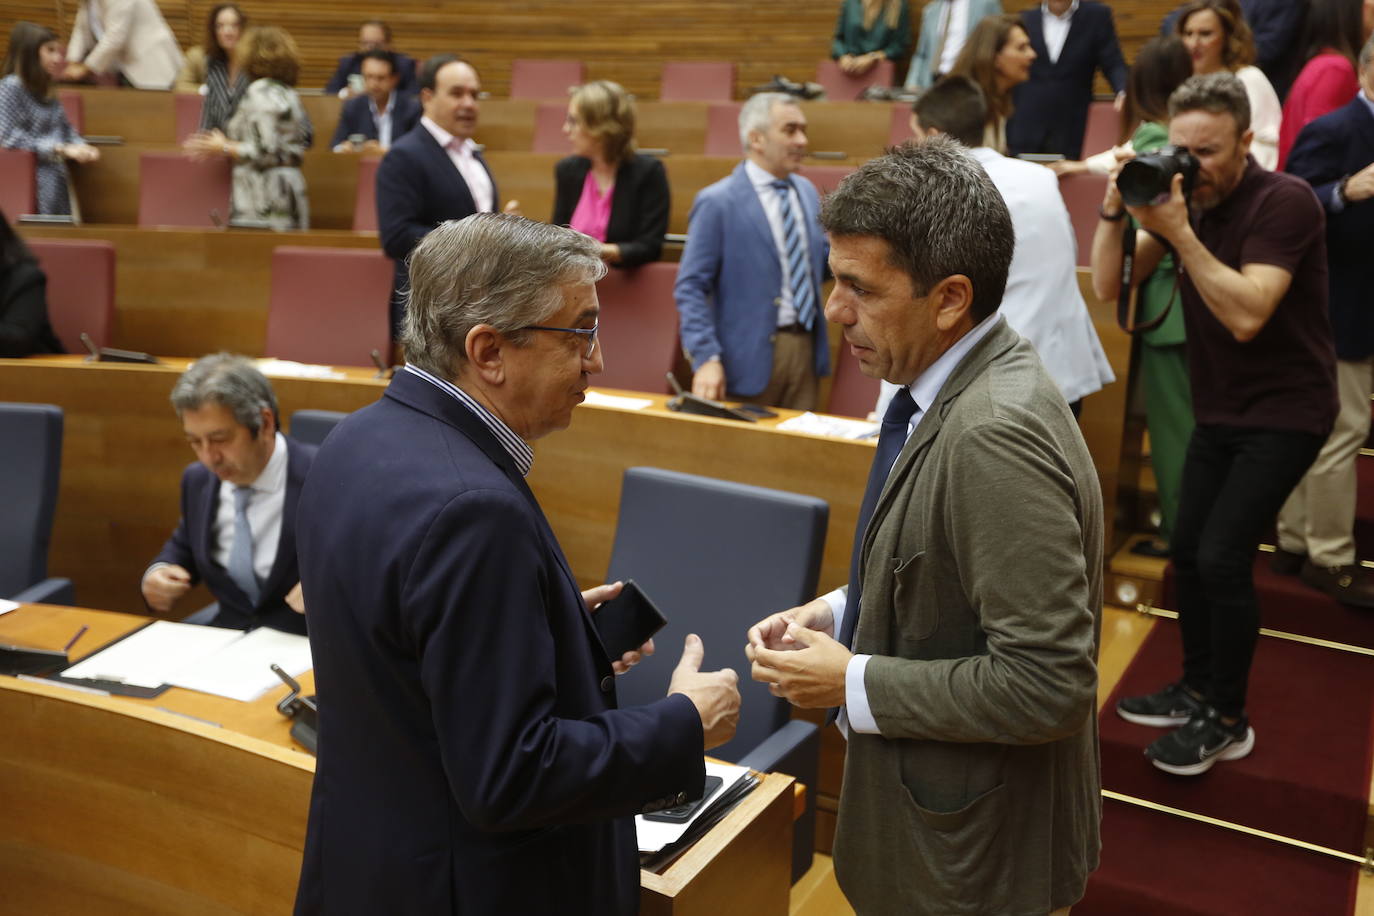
(1192, 749)
(1174, 705)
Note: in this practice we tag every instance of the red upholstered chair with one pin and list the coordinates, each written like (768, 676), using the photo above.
(638, 329)
(81, 289)
(1083, 195)
(545, 79)
(900, 131)
(548, 128)
(365, 198)
(697, 81)
(329, 305)
(187, 106)
(722, 129)
(852, 394)
(841, 87)
(174, 191)
(17, 188)
(826, 177)
(74, 107)
(1103, 129)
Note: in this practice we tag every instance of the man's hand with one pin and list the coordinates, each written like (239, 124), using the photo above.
(295, 599)
(1360, 186)
(595, 597)
(715, 694)
(810, 675)
(164, 585)
(709, 380)
(771, 631)
(1111, 200)
(1168, 220)
(512, 206)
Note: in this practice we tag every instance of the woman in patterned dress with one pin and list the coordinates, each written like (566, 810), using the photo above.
(31, 118)
(266, 137)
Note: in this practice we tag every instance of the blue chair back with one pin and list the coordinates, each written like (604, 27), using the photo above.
(30, 467)
(716, 557)
(311, 426)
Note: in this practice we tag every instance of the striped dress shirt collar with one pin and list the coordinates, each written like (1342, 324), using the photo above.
(518, 449)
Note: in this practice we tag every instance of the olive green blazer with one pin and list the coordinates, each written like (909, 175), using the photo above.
(981, 606)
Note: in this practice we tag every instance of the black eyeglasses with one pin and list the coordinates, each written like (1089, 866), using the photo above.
(589, 333)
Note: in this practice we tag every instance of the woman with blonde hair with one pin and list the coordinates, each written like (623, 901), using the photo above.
(31, 117)
(870, 31)
(605, 189)
(998, 57)
(1218, 38)
(266, 137)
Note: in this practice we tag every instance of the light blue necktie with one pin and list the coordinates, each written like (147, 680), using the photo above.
(798, 264)
(241, 553)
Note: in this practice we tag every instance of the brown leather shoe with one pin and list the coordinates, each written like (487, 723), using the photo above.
(1353, 584)
(1286, 562)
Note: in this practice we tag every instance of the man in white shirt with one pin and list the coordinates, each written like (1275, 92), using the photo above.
(945, 26)
(381, 115)
(238, 502)
(1043, 302)
(435, 172)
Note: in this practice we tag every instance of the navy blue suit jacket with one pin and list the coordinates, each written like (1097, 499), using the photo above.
(356, 118)
(190, 547)
(1328, 149)
(472, 758)
(353, 63)
(417, 189)
(728, 283)
(1051, 109)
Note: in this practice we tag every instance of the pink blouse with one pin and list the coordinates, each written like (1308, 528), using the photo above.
(593, 212)
(1325, 84)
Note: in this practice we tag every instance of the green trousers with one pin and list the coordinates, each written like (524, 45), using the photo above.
(1169, 418)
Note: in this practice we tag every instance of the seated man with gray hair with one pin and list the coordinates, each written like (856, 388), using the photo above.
(238, 501)
(472, 755)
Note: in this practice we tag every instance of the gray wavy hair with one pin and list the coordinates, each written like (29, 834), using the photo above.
(490, 268)
(232, 382)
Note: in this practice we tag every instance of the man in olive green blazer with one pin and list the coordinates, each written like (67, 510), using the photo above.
(971, 782)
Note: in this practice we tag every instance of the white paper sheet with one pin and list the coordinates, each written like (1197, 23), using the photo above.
(285, 368)
(153, 655)
(598, 399)
(7, 606)
(654, 835)
(242, 670)
(825, 425)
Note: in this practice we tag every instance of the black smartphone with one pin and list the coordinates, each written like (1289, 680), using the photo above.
(628, 620)
(682, 813)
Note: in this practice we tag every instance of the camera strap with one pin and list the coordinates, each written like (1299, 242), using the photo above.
(1125, 314)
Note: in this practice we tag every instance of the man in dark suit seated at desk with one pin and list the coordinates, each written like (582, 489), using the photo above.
(472, 755)
(238, 501)
(381, 114)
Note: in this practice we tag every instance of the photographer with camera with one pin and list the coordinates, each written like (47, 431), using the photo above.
(1252, 256)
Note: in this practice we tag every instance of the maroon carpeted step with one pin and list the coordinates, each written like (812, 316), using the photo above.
(1155, 864)
(1308, 777)
(1289, 605)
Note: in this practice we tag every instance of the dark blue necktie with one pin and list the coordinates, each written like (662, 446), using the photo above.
(798, 264)
(890, 442)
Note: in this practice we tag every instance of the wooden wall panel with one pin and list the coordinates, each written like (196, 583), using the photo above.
(624, 41)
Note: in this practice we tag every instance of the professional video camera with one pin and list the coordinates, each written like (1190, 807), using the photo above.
(1145, 180)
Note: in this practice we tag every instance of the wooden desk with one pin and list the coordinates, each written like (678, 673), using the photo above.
(119, 804)
(124, 452)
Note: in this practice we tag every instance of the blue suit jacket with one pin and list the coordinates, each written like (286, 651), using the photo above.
(353, 63)
(1052, 107)
(472, 758)
(190, 547)
(417, 189)
(356, 118)
(730, 278)
(1328, 149)
(918, 75)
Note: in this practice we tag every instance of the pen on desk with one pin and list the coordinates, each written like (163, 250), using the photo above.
(71, 642)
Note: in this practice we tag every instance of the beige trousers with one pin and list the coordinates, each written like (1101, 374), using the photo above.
(793, 383)
(1319, 517)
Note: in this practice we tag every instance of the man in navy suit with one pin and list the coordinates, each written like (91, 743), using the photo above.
(1335, 154)
(748, 287)
(238, 501)
(435, 172)
(373, 35)
(1072, 40)
(472, 755)
(381, 114)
